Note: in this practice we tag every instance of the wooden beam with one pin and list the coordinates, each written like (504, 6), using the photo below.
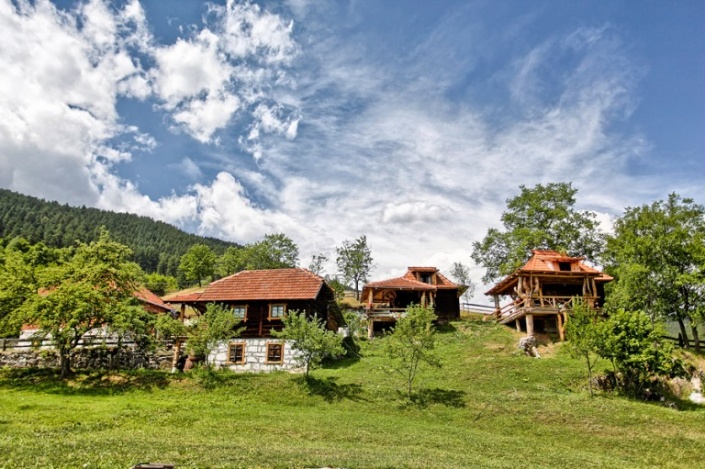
(561, 331)
(370, 328)
(517, 323)
(529, 325)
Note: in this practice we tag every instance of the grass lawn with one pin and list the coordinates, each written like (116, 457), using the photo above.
(489, 406)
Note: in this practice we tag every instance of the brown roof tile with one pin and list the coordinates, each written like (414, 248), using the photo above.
(274, 284)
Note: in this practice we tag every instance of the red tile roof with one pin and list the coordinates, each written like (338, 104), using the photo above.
(409, 282)
(273, 284)
(548, 262)
(149, 297)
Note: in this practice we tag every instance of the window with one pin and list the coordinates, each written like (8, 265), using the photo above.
(275, 353)
(236, 353)
(240, 312)
(277, 311)
(564, 266)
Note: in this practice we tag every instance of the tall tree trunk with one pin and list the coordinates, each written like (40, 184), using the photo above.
(684, 333)
(65, 362)
(696, 339)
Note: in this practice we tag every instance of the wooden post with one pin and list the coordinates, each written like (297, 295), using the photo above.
(370, 328)
(177, 343)
(517, 323)
(370, 298)
(559, 321)
(529, 325)
(496, 301)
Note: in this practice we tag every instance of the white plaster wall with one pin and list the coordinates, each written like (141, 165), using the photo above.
(255, 356)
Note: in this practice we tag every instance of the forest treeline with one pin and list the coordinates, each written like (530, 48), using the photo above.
(157, 246)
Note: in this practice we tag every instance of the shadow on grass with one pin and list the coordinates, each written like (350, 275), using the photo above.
(330, 390)
(426, 397)
(84, 382)
(447, 328)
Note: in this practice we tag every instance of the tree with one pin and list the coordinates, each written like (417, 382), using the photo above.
(160, 284)
(633, 345)
(542, 217)
(310, 338)
(317, 261)
(657, 255)
(275, 251)
(354, 261)
(584, 332)
(461, 274)
(411, 343)
(94, 289)
(215, 325)
(198, 263)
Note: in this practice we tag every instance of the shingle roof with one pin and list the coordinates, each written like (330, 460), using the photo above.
(548, 262)
(151, 298)
(274, 284)
(409, 281)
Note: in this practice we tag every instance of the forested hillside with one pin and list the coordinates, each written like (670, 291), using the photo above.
(158, 246)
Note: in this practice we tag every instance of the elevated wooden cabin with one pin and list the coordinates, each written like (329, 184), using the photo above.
(386, 300)
(543, 289)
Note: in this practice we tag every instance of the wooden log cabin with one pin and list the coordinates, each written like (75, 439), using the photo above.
(542, 292)
(385, 301)
(260, 299)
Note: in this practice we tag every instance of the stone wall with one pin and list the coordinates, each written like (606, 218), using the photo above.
(255, 356)
(89, 358)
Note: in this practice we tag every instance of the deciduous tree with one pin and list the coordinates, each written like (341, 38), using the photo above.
(585, 334)
(412, 343)
(657, 255)
(198, 263)
(542, 217)
(310, 337)
(93, 290)
(354, 260)
(461, 274)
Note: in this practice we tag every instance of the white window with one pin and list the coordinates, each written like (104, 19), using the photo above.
(277, 311)
(240, 312)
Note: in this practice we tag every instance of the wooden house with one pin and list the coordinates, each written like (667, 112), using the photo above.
(542, 292)
(260, 299)
(385, 301)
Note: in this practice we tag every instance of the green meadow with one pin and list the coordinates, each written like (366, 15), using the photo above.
(488, 406)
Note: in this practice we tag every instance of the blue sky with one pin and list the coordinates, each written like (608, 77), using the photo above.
(408, 121)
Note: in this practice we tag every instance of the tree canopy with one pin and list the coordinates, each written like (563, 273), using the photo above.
(93, 289)
(542, 217)
(275, 251)
(198, 263)
(657, 256)
(461, 274)
(354, 260)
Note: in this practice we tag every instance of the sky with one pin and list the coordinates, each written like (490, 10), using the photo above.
(410, 122)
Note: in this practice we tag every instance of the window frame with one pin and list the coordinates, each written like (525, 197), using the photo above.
(244, 316)
(244, 349)
(272, 306)
(281, 353)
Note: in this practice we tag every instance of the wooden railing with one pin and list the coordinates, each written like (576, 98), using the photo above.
(557, 302)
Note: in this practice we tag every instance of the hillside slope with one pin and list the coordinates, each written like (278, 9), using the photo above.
(158, 246)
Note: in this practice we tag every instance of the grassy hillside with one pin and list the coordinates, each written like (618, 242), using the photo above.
(158, 246)
(487, 407)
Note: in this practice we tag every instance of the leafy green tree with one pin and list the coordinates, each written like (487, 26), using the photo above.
(542, 217)
(94, 289)
(275, 251)
(215, 325)
(198, 263)
(338, 288)
(411, 343)
(657, 255)
(232, 261)
(160, 284)
(17, 284)
(585, 334)
(310, 337)
(634, 346)
(461, 274)
(354, 260)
